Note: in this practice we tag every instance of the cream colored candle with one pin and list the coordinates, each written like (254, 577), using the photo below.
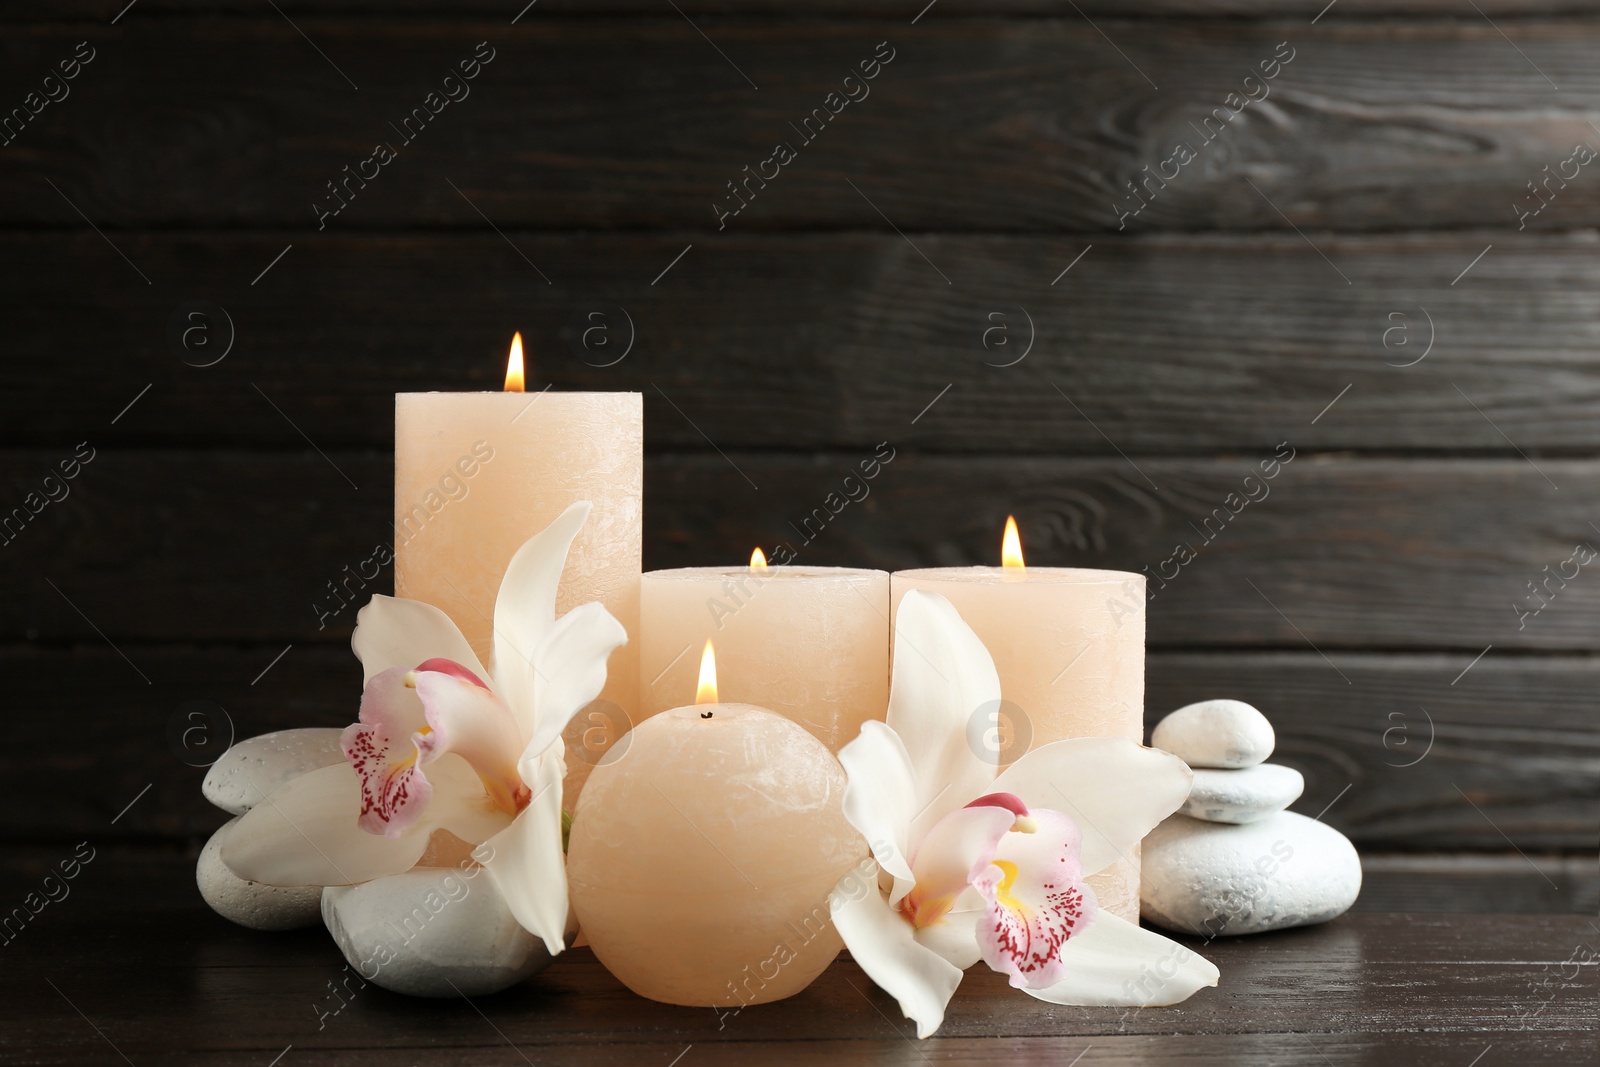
(702, 853)
(811, 643)
(1068, 645)
(477, 474)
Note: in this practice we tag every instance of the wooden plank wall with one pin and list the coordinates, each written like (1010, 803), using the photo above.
(1384, 266)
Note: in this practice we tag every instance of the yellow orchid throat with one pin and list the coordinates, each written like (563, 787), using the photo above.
(923, 911)
(1002, 890)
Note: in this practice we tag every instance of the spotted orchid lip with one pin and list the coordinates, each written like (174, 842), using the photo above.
(409, 719)
(1037, 900)
(394, 790)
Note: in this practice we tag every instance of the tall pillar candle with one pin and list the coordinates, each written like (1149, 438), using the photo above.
(1068, 645)
(810, 643)
(477, 474)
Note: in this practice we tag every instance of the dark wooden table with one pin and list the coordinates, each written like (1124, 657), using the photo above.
(131, 967)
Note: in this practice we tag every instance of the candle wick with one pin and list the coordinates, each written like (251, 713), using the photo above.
(705, 715)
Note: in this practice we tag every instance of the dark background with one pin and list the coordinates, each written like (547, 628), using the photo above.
(1173, 356)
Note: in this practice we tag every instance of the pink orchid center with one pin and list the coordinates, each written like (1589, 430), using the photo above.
(409, 719)
(957, 851)
(1037, 900)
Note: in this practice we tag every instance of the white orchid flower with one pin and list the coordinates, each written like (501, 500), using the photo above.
(445, 744)
(979, 866)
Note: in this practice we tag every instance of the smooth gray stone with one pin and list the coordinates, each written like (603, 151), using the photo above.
(260, 907)
(1215, 879)
(1216, 733)
(1243, 796)
(432, 932)
(252, 769)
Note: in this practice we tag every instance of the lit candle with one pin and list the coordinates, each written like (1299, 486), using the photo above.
(811, 643)
(703, 850)
(477, 474)
(1068, 645)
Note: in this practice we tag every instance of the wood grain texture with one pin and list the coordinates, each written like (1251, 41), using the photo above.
(1432, 989)
(104, 10)
(1171, 345)
(1515, 738)
(1345, 553)
(1145, 1050)
(1400, 758)
(985, 124)
(1479, 883)
(1340, 553)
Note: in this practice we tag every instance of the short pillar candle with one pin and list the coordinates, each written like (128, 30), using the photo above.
(1068, 645)
(810, 643)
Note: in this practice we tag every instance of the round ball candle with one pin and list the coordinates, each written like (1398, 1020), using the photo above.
(703, 850)
(1068, 645)
(810, 643)
(477, 474)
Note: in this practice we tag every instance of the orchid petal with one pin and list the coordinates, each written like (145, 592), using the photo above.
(461, 803)
(570, 670)
(955, 937)
(382, 749)
(467, 719)
(956, 851)
(942, 675)
(1114, 789)
(305, 833)
(1037, 900)
(396, 632)
(1116, 962)
(881, 942)
(525, 606)
(525, 859)
(879, 798)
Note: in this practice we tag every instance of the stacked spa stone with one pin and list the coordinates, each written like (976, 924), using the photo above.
(245, 775)
(1232, 860)
(433, 931)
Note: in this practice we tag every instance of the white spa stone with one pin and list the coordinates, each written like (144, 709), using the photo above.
(1243, 796)
(1215, 879)
(252, 769)
(1216, 733)
(260, 907)
(432, 932)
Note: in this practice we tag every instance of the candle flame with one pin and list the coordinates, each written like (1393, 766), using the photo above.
(758, 560)
(706, 693)
(514, 365)
(1011, 545)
